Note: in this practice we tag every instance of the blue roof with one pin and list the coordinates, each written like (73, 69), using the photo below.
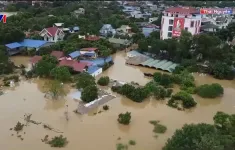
(99, 61)
(147, 31)
(32, 43)
(74, 54)
(13, 45)
(92, 69)
(76, 28)
(89, 54)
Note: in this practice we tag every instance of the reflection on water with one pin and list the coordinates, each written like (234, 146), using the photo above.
(102, 129)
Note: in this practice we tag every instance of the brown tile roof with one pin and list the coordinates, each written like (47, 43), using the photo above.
(57, 54)
(92, 38)
(89, 49)
(35, 59)
(52, 30)
(75, 65)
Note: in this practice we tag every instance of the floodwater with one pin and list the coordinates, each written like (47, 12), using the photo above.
(101, 131)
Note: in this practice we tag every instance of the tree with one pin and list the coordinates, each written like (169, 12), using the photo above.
(105, 53)
(137, 37)
(89, 93)
(221, 70)
(187, 100)
(124, 118)
(103, 81)
(61, 73)
(83, 80)
(210, 91)
(143, 45)
(55, 88)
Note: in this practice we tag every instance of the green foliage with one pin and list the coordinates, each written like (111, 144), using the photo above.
(132, 142)
(61, 73)
(136, 94)
(163, 79)
(89, 93)
(83, 80)
(44, 66)
(158, 128)
(105, 107)
(210, 91)
(121, 146)
(143, 45)
(6, 66)
(222, 70)
(55, 88)
(58, 141)
(187, 100)
(124, 118)
(103, 81)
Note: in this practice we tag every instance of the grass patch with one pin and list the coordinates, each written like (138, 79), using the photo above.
(132, 142)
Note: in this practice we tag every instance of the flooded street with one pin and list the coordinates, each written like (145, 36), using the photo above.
(101, 131)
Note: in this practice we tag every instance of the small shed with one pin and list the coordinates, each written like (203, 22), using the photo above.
(94, 70)
(13, 48)
(57, 54)
(75, 54)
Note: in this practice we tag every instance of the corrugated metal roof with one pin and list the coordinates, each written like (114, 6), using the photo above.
(57, 54)
(92, 69)
(75, 54)
(13, 45)
(32, 43)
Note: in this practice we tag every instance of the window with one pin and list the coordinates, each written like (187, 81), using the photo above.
(169, 34)
(186, 16)
(170, 21)
(186, 29)
(176, 15)
(192, 24)
(171, 15)
(170, 28)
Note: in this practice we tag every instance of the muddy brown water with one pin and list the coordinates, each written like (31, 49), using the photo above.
(101, 131)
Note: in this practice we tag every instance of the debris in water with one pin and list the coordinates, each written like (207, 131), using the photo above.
(19, 126)
(12, 134)
(18, 136)
(119, 138)
(10, 128)
(22, 139)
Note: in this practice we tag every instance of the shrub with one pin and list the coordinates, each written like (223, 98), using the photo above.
(89, 93)
(61, 73)
(122, 146)
(210, 91)
(187, 100)
(103, 81)
(58, 141)
(106, 107)
(169, 92)
(19, 126)
(158, 128)
(124, 118)
(132, 142)
(163, 79)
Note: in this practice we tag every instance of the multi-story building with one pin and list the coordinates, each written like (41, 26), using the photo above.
(176, 19)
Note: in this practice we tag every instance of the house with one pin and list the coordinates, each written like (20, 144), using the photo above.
(58, 25)
(100, 62)
(91, 52)
(124, 29)
(29, 44)
(75, 65)
(209, 27)
(78, 12)
(146, 30)
(57, 54)
(107, 29)
(119, 43)
(35, 59)
(136, 14)
(75, 54)
(92, 38)
(52, 34)
(94, 70)
(74, 29)
(153, 19)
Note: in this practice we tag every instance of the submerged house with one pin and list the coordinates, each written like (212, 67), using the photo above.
(28, 44)
(75, 65)
(75, 54)
(52, 34)
(107, 29)
(119, 43)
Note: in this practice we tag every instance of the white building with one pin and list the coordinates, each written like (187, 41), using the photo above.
(52, 34)
(153, 19)
(175, 19)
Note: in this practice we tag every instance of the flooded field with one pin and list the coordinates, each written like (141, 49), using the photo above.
(101, 131)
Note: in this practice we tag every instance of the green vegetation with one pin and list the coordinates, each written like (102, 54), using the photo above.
(210, 91)
(105, 107)
(121, 146)
(61, 73)
(186, 99)
(158, 128)
(44, 67)
(58, 141)
(89, 93)
(163, 79)
(55, 89)
(132, 142)
(83, 80)
(220, 136)
(124, 118)
(103, 81)
(6, 67)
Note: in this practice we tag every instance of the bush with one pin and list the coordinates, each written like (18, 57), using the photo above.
(89, 93)
(83, 80)
(58, 141)
(19, 126)
(124, 118)
(187, 100)
(210, 91)
(105, 107)
(103, 81)
(163, 79)
(61, 73)
(158, 128)
(132, 142)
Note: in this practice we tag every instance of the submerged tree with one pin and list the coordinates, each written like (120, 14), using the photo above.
(56, 89)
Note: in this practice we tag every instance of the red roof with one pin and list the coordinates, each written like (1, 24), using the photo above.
(92, 38)
(52, 30)
(35, 59)
(89, 49)
(57, 54)
(77, 66)
(182, 10)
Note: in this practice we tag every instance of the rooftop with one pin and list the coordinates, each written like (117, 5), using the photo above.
(57, 54)
(182, 10)
(89, 49)
(35, 59)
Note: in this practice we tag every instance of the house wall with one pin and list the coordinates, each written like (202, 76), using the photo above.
(97, 72)
(57, 37)
(165, 24)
